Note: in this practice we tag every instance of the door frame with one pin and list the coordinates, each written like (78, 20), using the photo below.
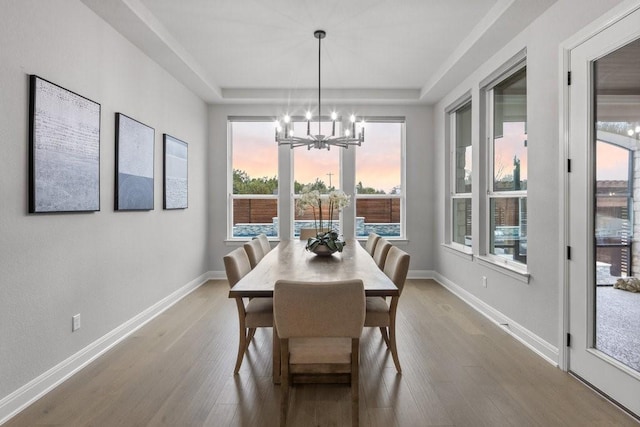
(602, 23)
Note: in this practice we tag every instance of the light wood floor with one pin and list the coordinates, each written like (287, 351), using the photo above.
(458, 370)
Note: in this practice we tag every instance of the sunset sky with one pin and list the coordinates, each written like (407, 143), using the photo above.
(377, 160)
(612, 162)
(511, 144)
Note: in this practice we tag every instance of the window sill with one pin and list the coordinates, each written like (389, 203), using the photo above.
(520, 274)
(392, 240)
(241, 241)
(459, 251)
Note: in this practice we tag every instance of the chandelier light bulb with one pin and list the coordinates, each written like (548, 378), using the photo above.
(347, 132)
(287, 118)
(334, 115)
(637, 129)
(308, 115)
(630, 132)
(352, 118)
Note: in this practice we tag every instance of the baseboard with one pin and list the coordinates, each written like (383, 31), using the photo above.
(217, 275)
(17, 401)
(421, 274)
(542, 348)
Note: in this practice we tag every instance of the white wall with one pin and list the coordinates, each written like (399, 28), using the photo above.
(419, 185)
(534, 306)
(109, 266)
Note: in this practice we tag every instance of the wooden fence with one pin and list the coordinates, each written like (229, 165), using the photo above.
(262, 211)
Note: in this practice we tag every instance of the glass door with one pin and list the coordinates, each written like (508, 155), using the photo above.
(604, 219)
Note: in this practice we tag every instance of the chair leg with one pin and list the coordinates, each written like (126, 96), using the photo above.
(385, 337)
(284, 382)
(242, 340)
(392, 340)
(252, 332)
(355, 382)
(242, 346)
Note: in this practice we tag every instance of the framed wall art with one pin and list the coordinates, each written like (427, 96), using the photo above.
(134, 165)
(64, 150)
(176, 183)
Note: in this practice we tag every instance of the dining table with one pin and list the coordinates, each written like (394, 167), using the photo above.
(290, 260)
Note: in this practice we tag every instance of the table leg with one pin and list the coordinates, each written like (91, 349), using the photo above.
(276, 356)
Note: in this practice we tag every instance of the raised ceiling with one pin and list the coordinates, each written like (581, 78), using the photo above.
(234, 51)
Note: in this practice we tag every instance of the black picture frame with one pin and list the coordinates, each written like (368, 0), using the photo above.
(134, 171)
(64, 149)
(175, 174)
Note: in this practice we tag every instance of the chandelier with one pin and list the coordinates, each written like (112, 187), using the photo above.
(284, 130)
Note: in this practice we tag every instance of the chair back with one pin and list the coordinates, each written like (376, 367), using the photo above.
(264, 243)
(307, 233)
(381, 251)
(236, 265)
(396, 266)
(371, 243)
(319, 309)
(254, 252)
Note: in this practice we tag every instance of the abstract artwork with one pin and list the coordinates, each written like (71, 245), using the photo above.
(64, 150)
(175, 173)
(134, 164)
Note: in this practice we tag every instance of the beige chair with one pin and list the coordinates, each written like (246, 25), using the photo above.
(381, 315)
(307, 233)
(319, 326)
(258, 313)
(380, 252)
(254, 252)
(264, 243)
(371, 243)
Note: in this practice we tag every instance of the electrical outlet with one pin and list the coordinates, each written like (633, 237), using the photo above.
(76, 323)
(484, 281)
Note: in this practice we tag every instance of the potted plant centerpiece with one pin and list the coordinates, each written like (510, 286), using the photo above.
(326, 240)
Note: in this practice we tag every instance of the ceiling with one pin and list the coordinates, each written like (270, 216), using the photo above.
(376, 51)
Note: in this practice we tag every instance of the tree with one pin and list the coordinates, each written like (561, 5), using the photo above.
(360, 189)
(244, 184)
(317, 185)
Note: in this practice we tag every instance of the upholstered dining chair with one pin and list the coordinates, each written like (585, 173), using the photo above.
(258, 313)
(383, 315)
(319, 326)
(264, 243)
(307, 233)
(371, 243)
(254, 252)
(380, 252)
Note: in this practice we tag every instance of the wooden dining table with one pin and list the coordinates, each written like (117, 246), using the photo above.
(289, 260)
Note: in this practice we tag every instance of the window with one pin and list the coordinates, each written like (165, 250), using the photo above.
(507, 182)
(461, 168)
(254, 179)
(317, 169)
(375, 169)
(379, 177)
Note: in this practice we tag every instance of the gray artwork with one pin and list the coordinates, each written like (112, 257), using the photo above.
(65, 150)
(134, 172)
(175, 173)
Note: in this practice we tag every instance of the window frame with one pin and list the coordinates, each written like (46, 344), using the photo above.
(452, 193)
(230, 195)
(402, 196)
(295, 196)
(517, 64)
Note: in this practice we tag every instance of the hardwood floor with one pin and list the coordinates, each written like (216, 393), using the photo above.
(458, 370)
